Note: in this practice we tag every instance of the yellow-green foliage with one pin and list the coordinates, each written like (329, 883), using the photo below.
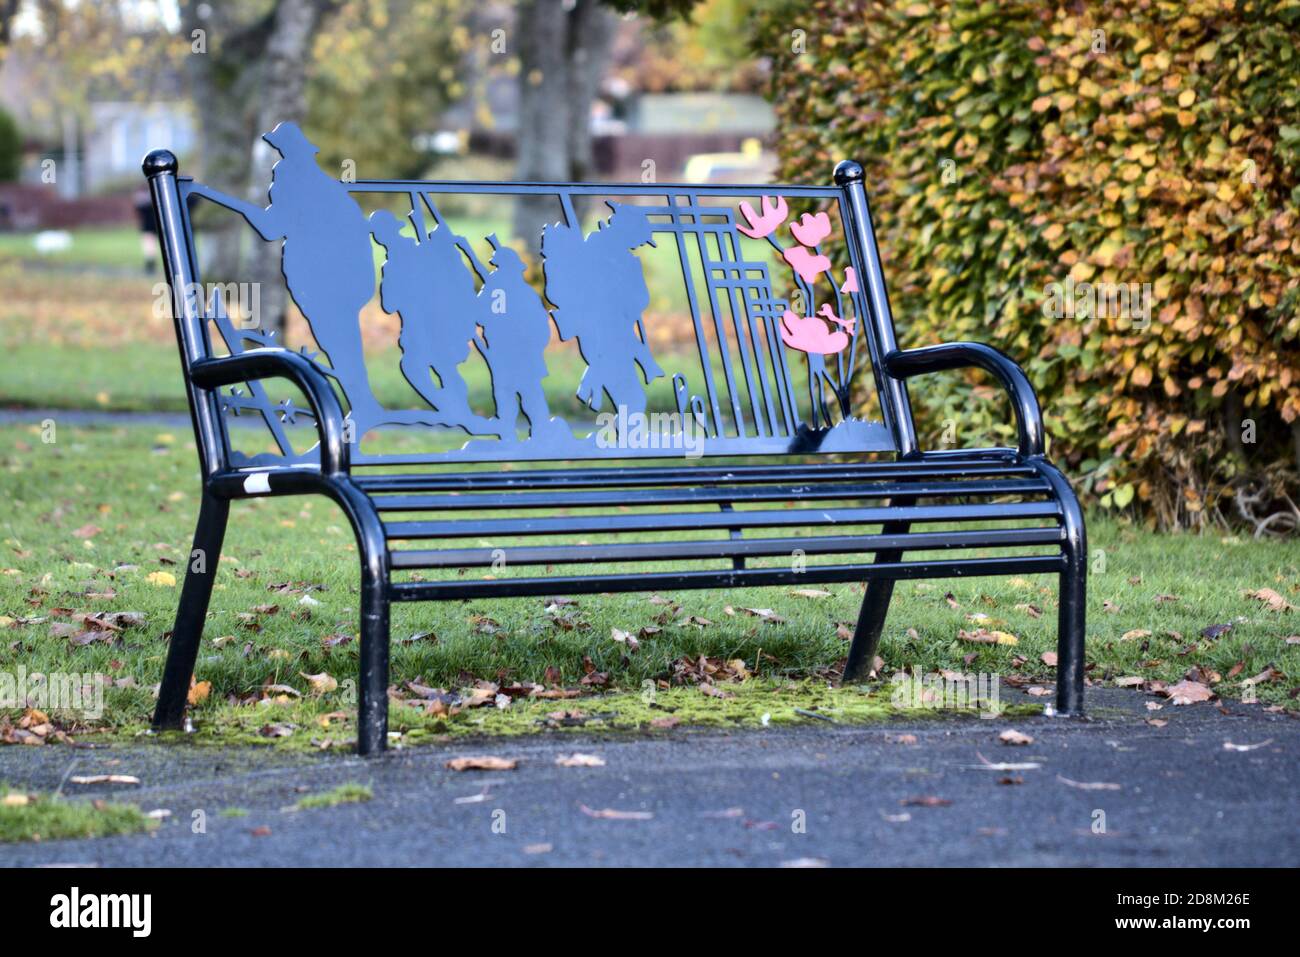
(1015, 145)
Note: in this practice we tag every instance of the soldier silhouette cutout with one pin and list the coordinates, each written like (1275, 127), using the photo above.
(598, 288)
(516, 331)
(427, 284)
(326, 260)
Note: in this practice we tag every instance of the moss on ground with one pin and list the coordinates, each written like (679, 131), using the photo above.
(35, 817)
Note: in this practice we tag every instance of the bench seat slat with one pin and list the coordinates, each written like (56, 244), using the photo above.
(525, 479)
(678, 521)
(720, 548)
(722, 578)
(709, 494)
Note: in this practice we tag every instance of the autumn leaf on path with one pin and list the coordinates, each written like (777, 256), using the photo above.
(482, 763)
(987, 765)
(1229, 746)
(577, 760)
(1012, 736)
(1188, 692)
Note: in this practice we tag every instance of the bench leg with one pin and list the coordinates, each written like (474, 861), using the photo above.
(875, 606)
(1070, 634)
(1072, 620)
(174, 690)
(372, 692)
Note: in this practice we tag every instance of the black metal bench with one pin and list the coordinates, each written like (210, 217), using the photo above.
(747, 466)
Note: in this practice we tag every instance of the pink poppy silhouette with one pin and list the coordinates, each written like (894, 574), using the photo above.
(811, 230)
(850, 280)
(808, 265)
(762, 226)
(848, 325)
(809, 334)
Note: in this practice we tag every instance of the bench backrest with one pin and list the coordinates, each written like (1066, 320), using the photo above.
(667, 319)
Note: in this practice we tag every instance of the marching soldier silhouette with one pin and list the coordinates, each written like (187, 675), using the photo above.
(327, 261)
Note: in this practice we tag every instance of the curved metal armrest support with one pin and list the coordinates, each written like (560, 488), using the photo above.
(281, 363)
(904, 364)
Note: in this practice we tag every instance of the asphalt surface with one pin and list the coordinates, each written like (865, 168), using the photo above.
(822, 794)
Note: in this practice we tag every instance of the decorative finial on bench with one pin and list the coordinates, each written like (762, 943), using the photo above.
(159, 161)
(849, 171)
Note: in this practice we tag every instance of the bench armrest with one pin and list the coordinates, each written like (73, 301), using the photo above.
(903, 364)
(281, 363)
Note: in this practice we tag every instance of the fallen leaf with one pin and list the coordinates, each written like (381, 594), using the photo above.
(988, 765)
(1272, 599)
(986, 637)
(1134, 634)
(1012, 736)
(1268, 674)
(482, 763)
(1229, 746)
(625, 638)
(104, 779)
(1048, 658)
(199, 692)
(1188, 692)
(161, 579)
(320, 683)
(580, 761)
(927, 801)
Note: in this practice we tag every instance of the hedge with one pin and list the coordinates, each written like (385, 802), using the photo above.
(1029, 158)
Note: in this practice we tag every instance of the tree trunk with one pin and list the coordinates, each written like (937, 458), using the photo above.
(562, 55)
(249, 77)
(282, 95)
(224, 83)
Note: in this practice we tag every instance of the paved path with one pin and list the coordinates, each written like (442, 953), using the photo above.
(730, 799)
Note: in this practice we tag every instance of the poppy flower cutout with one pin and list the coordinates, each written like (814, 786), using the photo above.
(850, 280)
(811, 229)
(808, 265)
(810, 335)
(762, 226)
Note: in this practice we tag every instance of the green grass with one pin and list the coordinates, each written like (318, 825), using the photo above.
(115, 246)
(100, 521)
(349, 793)
(35, 817)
